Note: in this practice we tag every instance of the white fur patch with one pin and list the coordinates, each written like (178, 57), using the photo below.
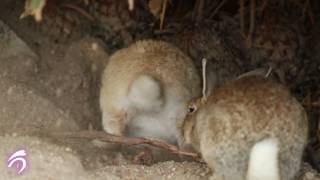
(145, 93)
(263, 163)
(160, 125)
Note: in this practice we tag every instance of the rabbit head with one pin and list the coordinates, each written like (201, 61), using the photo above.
(186, 127)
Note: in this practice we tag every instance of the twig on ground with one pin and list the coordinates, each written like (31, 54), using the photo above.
(129, 141)
(164, 31)
(216, 10)
(312, 104)
(80, 11)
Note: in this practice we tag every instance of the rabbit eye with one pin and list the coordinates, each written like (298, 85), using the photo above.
(191, 109)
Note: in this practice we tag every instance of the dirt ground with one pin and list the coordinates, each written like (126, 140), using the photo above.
(49, 81)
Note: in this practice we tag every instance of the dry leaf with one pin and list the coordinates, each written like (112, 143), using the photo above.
(34, 8)
(86, 2)
(131, 4)
(155, 7)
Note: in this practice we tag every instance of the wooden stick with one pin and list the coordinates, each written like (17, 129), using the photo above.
(131, 4)
(218, 8)
(163, 13)
(252, 22)
(241, 12)
(200, 4)
(129, 141)
(80, 11)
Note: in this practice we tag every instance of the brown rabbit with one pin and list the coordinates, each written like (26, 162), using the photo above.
(146, 89)
(251, 128)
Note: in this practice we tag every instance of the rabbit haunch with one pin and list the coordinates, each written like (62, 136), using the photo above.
(231, 128)
(145, 90)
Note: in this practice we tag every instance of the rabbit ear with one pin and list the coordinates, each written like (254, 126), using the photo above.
(209, 79)
(204, 80)
(263, 72)
(269, 72)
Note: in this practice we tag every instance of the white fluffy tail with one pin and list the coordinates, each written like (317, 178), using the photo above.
(263, 163)
(145, 93)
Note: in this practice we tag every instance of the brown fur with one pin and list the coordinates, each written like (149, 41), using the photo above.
(162, 61)
(240, 114)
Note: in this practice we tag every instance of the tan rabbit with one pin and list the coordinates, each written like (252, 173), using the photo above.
(146, 89)
(251, 128)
